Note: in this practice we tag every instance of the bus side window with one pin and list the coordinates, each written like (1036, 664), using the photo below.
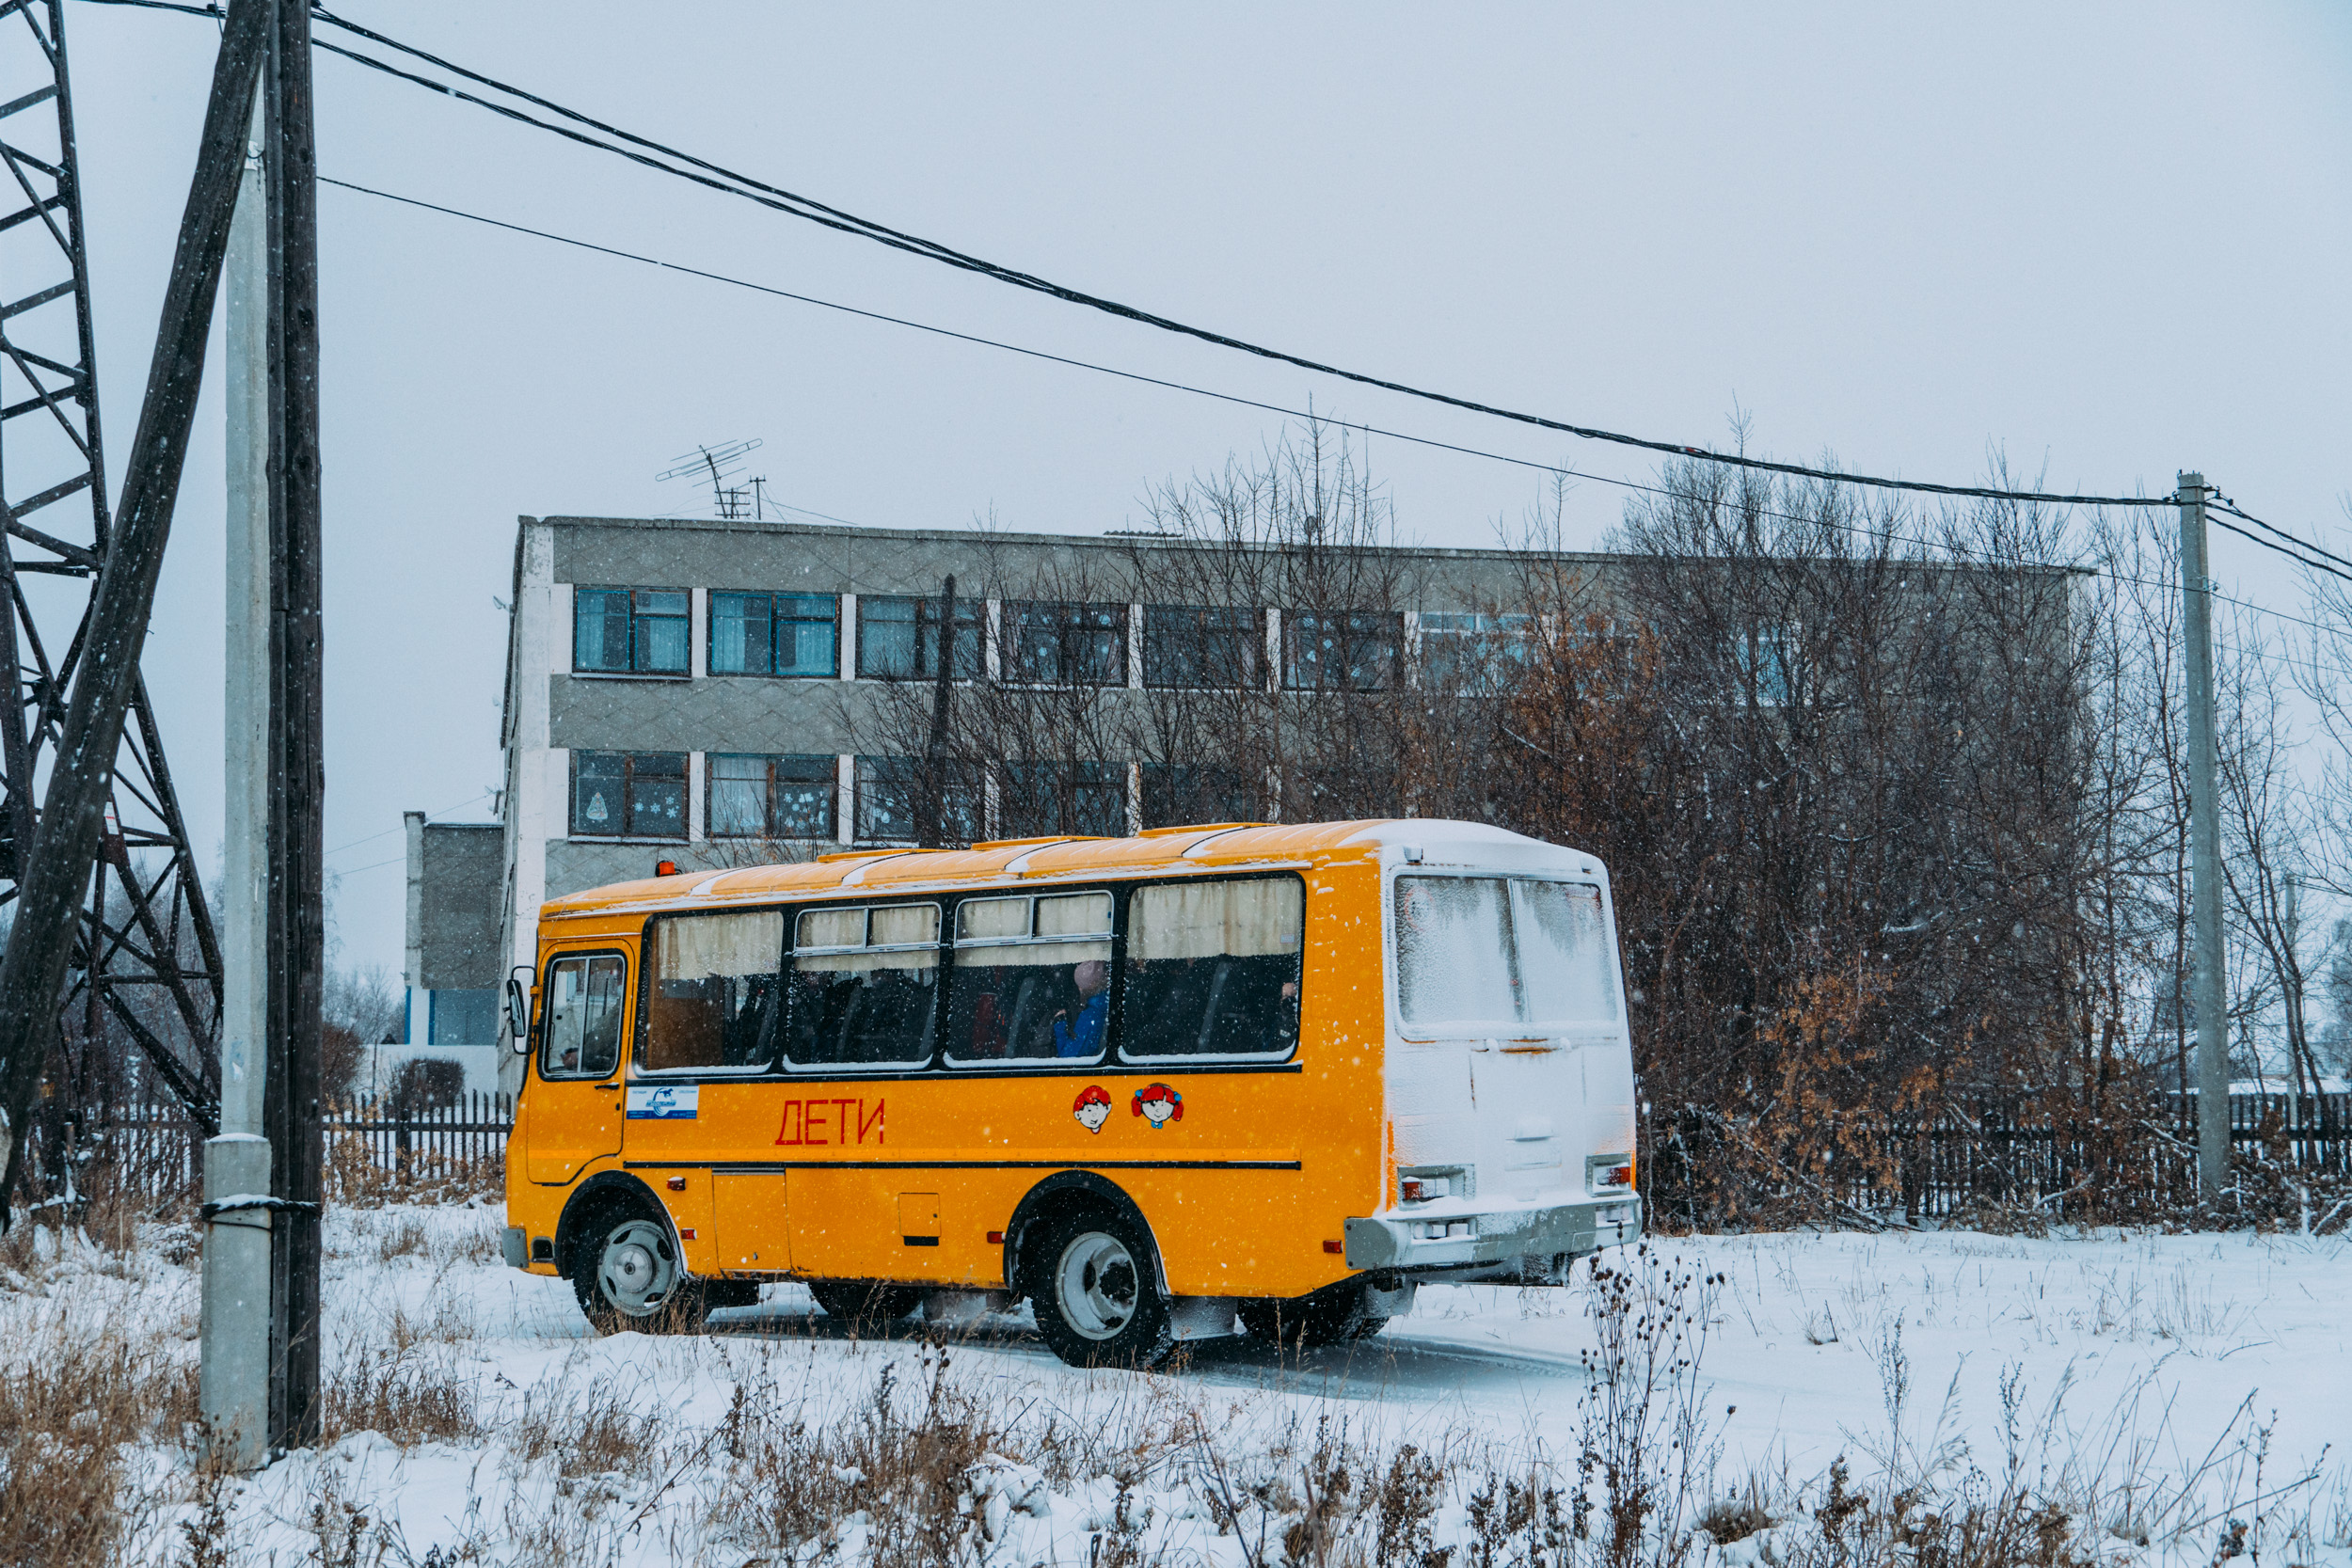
(582, 1036)
(862, 986)
(1031, 980)
(713, 996)
(1213, 968)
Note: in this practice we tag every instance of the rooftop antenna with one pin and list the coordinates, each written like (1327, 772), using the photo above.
(714, 467)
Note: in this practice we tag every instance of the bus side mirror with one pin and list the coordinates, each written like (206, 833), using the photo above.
(518, 1013)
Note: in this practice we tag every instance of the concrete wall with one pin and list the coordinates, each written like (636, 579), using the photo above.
(456, 937)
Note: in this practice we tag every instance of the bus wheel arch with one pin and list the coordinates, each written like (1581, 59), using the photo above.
(1057, 1195)
(617, 1209)
(1082, 1252)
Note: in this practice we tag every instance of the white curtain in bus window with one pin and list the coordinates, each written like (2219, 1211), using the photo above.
(716, 993)
(1031, 980)
(1563, 953)
(863, 985)
(1213, 968)
(1453, 959)
(583, 1004)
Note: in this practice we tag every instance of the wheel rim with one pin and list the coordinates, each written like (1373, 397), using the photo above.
(1098, 1285)
(637, 1268)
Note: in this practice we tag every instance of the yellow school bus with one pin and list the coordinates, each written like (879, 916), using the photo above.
(1273, 1074)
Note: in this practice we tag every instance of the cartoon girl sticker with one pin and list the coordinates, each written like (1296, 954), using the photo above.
(1160, 1105)
(1093, 1107)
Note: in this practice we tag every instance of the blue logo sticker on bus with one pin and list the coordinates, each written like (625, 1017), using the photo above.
(664, 1103)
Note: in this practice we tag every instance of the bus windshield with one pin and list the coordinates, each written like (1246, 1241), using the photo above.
(1495, 952)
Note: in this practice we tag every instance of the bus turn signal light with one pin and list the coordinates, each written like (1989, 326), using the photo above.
(677, 1183)
(665, 868)
(1334, 1247)
(996, 1238)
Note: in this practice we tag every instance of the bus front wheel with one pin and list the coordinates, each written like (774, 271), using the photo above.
(627, 1274)
(1095, 1284)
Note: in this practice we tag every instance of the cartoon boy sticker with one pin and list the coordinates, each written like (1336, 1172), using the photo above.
(1093, 1107)
(1160, 1105)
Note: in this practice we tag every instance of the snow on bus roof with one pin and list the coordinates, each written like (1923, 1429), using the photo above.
(1208, 844)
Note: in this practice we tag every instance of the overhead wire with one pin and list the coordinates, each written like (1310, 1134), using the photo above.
(717, 177)
(1386, 433)
(2226, 505)
(714, 175)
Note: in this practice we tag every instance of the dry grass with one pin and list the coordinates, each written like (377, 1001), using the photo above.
(70, 1401)
(407, 1397)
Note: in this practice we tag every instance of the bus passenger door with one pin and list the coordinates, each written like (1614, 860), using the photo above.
(576, 1102)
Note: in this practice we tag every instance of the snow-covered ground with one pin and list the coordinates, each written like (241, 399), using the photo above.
(2156, 1387)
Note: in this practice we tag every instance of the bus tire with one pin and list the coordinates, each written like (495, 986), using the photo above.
(628, 1276)
(865, 1305)
(1093, 1282)
(1335, 1315)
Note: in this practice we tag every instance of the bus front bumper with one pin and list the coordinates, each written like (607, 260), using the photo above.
(1466, 1234)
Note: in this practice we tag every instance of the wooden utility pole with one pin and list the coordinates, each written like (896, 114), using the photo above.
(297, 765)
(2205, 848)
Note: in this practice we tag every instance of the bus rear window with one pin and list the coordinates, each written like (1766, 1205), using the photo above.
(1213, 968)
(1490, 952)
(863, 985)
(714, 993)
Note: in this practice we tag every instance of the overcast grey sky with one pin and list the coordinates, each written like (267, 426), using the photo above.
(2110, 240)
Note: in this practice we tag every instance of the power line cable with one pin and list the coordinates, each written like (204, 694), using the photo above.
(387, 832)
(2305, 562)
(730, 182)
(1229, 397)
(717, 177)
(2226, 505)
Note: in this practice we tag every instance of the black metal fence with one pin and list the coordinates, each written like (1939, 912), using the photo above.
(1950, 1168)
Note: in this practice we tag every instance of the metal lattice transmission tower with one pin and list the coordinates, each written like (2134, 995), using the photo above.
(147, 963)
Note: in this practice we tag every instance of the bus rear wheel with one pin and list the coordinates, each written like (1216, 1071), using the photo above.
(1094, 1285)
(865, 1305)
(1335, 1315)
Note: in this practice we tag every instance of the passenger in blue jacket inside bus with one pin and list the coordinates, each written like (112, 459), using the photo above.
(1085, 1037)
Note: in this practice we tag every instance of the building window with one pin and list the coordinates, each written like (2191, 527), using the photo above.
(889, 787)
(462, 1017)
(629, 631)
(1067, 645)
(629, 794)
(897, 637)
(1770, 663)
(1175, 794)
(774, 634)
(764, 796)
(1341, 651)
(1474, 654)
(1192, 646)
(1080, 797)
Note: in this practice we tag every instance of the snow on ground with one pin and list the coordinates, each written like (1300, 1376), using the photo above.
(2141, 1376)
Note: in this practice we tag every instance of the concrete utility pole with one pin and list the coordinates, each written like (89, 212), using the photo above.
(2205, 847)
(234, 1380)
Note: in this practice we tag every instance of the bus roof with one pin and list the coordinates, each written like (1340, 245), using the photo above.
(1221, 844)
